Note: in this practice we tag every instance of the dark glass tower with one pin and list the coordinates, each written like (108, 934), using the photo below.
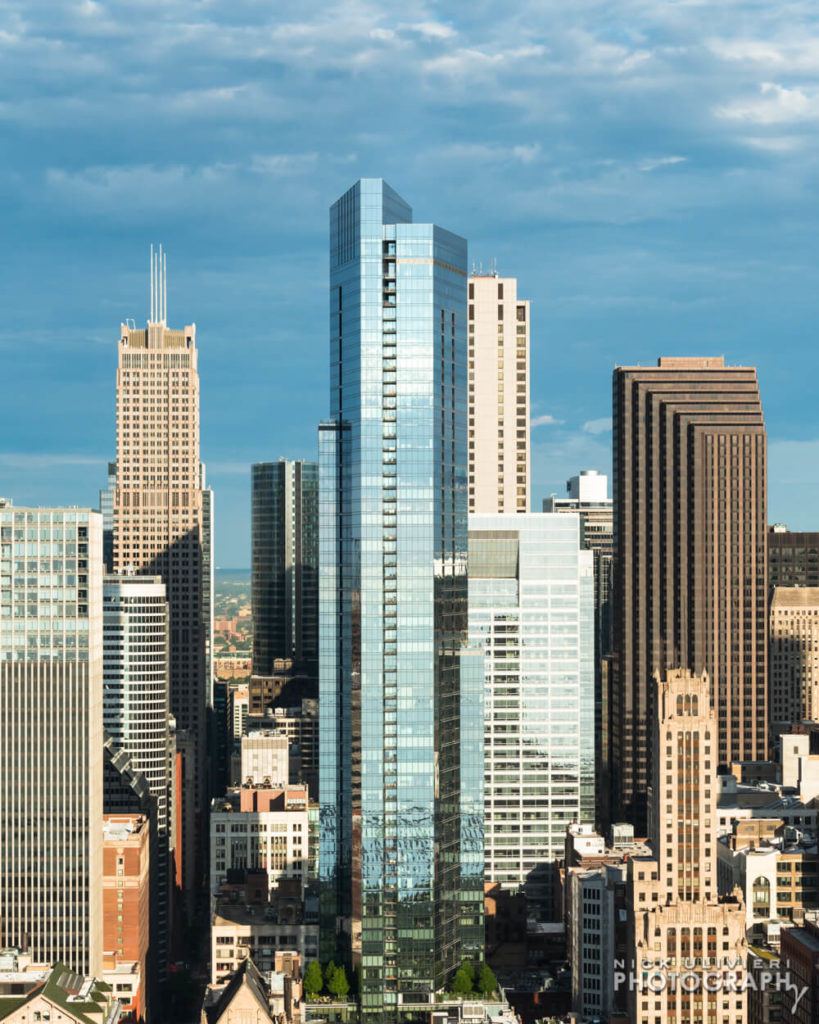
(285, 565)
(401, 835)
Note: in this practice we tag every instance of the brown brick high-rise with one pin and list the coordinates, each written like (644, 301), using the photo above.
(158, 528)
(690, 555)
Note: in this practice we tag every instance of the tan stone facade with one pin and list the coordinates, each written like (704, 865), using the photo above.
(794, 655)
(158, 522)
(499, 461)
(682, 935)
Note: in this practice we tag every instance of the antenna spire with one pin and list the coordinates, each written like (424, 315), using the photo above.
(158, 286)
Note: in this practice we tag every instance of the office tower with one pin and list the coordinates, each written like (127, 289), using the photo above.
(676, 917)
(126, 899)
(136, 717)
(531, 610)
(587, 495)
(689, 573)
(135, 673)
(793, 656)
(285, 565)
(107, 496)
(51, 734)
(499, 464)
(793, 558)
(158, 521)
(208, 584)
(392, 602)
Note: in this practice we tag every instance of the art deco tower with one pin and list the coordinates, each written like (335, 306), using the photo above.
(398, 798)
(158, 519)
(690, 556)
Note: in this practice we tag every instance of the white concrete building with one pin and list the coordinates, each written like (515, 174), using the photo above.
(262, 829)
(531, 611)
(499, 460)
(238, 932)
(265, 758)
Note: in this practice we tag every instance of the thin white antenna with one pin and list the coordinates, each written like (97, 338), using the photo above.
(151, 316)
(165, 288)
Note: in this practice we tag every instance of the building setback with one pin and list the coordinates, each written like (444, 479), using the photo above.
(159, 526)
(51, 738)
(499, 462)
(690, 556)
(284, 565)
(393, 606)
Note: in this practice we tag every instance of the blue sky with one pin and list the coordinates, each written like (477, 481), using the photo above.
(648, 170)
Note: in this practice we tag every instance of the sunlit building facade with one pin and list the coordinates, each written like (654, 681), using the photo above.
(394, 792)
(531, 609)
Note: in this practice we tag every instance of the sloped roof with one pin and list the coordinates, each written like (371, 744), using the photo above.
(248, 976)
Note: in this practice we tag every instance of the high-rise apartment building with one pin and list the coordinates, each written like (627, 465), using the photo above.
(678, 923)
(158, 522)
(587, 495)
(51, 734)
(793, 558)
(690, 563)
(499, 460)
(531, 611)
(393, 604)
(284, 562)
(136, 716)
(793, 656)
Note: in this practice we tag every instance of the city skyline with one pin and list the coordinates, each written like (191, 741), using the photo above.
(630, 230)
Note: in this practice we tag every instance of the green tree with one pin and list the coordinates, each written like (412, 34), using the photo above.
(313, 980)
(329, 971)
(487, 983)
(464, 980)
(338, 985)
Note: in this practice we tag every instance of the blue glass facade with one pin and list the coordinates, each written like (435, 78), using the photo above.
(393, 606)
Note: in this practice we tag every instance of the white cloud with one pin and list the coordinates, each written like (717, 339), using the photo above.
(654, 164)
(776, 104)
(599, 426)
(546, 420)
(432, 29)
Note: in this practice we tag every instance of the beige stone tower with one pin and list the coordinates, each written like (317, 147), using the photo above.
(499, 464)
(158, 520)
(677, 924)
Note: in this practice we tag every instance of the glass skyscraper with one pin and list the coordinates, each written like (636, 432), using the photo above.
(531, 610)
(284, 562)
(399, 834)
